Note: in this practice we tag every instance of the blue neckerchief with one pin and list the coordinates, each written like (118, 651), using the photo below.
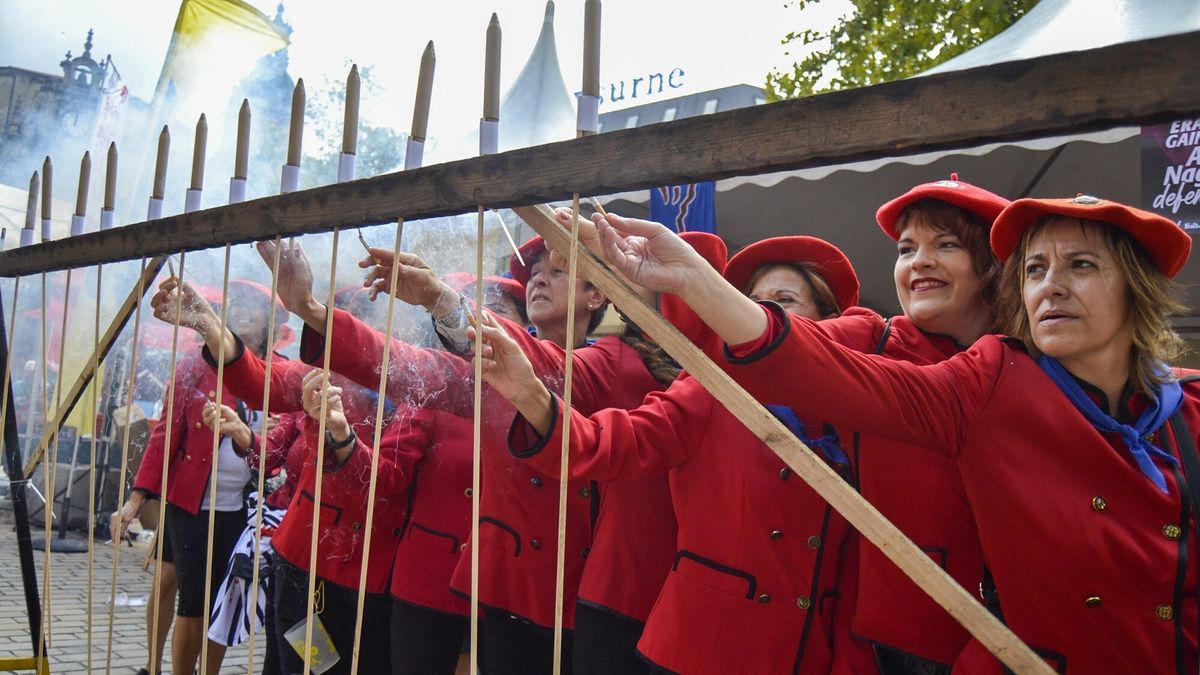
(1168, 399)
(372, 396)
(588, 342)
(827, 443)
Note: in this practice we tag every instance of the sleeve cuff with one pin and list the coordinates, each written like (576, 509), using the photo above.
(211, 360)
(524, 441)
(778, 327)
(452, 330)
(312, 345)
(332, 464)
(248, 452)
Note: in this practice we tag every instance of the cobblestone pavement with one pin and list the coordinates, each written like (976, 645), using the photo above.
(68, 648)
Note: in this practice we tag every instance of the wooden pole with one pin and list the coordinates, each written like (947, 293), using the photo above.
(1127, 84)
(169, 411)
(262, 452)
(116, 540)
(587, 123)
(212, 477)
(132, 302)
(320, 466)
(91, 517)
(385, 364)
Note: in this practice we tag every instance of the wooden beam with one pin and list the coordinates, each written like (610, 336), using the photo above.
(98, 354)
(1132, 83)
(858, 511)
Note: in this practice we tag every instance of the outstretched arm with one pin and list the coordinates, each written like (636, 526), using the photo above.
(649, 254)
(351, 468)
(177, 301)
(613, 444)
(508, 370)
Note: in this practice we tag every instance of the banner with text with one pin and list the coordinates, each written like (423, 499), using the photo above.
(1171, 171)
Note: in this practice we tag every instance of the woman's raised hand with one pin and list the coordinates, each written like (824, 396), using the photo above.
(295, 274)
(508, 371)
(646, 253)
(177, 300)
(416, 283)
(313, 386)
(225, 421)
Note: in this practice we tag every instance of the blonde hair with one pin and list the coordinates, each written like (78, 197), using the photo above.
(822, 294)
(1152, 297)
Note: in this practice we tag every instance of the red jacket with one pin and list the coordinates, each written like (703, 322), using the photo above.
(190, 441)
(1092, 562)
(921, 492)
(282, 440)
(343, 499)
(634, 533)
(439, 511)
(633, 547)
(518, 507)
(753, 585)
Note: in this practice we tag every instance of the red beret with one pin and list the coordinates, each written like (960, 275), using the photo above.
(965, 196)
(510, 287)
(835, 267)
(284, 335)
(281, 312)
(344, 296)
(458, 280)
(1167, 244)
(465, 281)
(712, 248)
(530, 251)
(210, 294)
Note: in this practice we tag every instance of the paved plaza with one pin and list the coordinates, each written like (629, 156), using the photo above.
(68, 607)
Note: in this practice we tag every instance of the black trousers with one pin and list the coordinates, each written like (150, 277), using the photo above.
(512, 646)
(606, 643)
(271, 655)
(188, 539)
(425, 641)
(338, 609)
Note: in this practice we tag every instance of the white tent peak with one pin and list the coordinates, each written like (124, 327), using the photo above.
(537, 108)
(1057, 26)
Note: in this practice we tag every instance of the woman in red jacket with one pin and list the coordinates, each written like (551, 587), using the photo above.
(428, 621)
(342, 507)
(1075, 441)
(519, 506)
(946, 282)
(754, 585)
(188, 472)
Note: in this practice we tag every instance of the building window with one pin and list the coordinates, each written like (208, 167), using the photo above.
(669, 114)
(758, 100)
(631, 123)
(710, 106)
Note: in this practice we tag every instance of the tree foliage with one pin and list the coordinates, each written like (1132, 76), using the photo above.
(882, 40)
(380, 148)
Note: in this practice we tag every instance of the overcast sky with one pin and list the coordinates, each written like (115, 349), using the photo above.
(716, 44)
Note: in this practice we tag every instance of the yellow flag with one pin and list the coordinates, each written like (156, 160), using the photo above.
(214, 38)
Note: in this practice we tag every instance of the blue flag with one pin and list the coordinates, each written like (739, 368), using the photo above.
(685, 208)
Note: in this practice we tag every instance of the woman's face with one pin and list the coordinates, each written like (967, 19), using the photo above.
(789, 288)
(547, 295)
(937, 284)
(1076, 297)
(249, 322)
(499, 302)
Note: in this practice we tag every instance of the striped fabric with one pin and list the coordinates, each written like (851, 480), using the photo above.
(233, 616)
